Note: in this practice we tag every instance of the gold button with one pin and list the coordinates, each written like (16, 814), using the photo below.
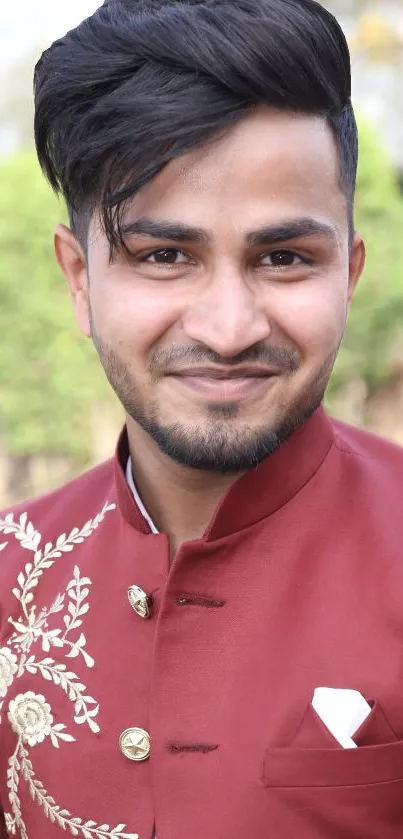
(134, 743)
(139, 601)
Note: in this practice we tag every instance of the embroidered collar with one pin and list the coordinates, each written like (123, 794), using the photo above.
(257, 494)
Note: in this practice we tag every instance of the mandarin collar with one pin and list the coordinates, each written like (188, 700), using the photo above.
(257, 494)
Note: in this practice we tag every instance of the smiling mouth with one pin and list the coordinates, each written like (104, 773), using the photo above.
(224, 386)
(245, 372)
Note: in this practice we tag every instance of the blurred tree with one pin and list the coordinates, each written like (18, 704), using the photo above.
(378, 29)
(17, 102)
(49, 377)
(376, 317)
(377, 39)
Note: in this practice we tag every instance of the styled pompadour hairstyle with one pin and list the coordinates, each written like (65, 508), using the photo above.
(141, 82)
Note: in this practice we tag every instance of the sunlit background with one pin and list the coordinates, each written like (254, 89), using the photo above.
(30, 23)
(57, 415)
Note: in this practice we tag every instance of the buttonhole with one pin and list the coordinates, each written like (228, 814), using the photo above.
(177, 748)
(199, 600)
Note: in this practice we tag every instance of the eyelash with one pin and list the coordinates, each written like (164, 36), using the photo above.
(143, 258)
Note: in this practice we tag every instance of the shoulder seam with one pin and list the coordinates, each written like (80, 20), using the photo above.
(366, 456)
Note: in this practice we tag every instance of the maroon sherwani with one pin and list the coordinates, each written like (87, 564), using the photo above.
(297, 583)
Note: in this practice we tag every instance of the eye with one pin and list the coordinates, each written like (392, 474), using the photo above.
(165, 256)
(282, 259)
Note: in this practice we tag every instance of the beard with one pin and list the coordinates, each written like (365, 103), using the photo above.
(217, 444)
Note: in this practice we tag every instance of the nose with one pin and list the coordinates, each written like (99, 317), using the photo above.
(228, 316)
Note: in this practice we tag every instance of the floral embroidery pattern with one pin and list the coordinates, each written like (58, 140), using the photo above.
(29, 714)
(30, 717)
(8, 669)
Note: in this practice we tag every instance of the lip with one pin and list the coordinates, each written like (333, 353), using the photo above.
(225, 386)
(217, 373)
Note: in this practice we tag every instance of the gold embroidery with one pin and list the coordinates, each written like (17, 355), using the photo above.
(29, 714)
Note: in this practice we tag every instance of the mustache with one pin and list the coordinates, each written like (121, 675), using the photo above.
(286, 359)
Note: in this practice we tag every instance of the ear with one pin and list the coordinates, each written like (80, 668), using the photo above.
(73, 262)
(356, 265)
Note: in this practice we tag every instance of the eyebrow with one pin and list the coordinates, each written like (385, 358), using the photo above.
(176, 232)
(299, 228)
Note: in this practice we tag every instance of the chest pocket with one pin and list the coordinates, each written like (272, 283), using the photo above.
(323, 791)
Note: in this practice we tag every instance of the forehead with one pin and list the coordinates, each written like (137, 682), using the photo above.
(269, 166)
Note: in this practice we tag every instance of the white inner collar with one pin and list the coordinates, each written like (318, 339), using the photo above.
(132, 485)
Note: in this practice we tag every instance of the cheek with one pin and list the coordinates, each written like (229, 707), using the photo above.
(312, 315)
(132, 317)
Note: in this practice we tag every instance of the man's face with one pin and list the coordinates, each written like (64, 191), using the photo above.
(220, 329)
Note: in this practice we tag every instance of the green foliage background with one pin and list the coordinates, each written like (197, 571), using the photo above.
(49, 374)
(375, 320)
(50, 378)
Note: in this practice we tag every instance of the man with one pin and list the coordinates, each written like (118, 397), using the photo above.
(203, 637)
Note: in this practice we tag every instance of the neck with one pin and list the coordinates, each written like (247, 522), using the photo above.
(181, 501)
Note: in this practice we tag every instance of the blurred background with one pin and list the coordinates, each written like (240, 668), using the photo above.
(57, 413)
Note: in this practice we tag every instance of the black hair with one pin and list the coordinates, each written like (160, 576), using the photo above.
(141, 82)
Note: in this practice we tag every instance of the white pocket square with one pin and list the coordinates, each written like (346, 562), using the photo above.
(342, 712)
